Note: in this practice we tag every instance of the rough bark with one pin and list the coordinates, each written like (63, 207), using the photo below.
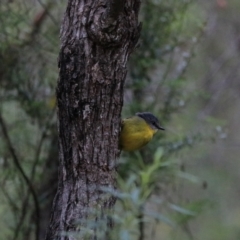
(97, 37)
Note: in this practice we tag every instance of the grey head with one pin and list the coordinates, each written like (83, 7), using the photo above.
(151, 120)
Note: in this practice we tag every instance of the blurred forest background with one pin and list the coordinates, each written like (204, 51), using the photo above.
(184, 184)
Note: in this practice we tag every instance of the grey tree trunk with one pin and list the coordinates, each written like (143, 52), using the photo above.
(97, 37)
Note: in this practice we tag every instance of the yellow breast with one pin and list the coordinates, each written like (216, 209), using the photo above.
(135, 133)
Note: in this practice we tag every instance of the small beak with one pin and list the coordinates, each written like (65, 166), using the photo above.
(160, 128)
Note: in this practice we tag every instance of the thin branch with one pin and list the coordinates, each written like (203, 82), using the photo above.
(46, 8)
(141, 223)
(11, 201)
(37, 157)
(39, 148)
(23, 174)
(22, 217)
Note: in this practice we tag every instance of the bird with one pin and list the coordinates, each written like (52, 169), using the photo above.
(138, 130)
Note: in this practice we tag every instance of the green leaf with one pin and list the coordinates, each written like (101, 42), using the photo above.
(182, 210)
(158, 154)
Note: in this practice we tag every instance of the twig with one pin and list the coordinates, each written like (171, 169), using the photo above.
(46, 6)
(9, 199)
(141, 224)
(38, 151)
(23, 174)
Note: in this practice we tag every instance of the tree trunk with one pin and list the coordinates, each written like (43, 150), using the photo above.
(96, 39)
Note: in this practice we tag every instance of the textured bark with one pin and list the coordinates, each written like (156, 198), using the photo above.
(96, 39)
